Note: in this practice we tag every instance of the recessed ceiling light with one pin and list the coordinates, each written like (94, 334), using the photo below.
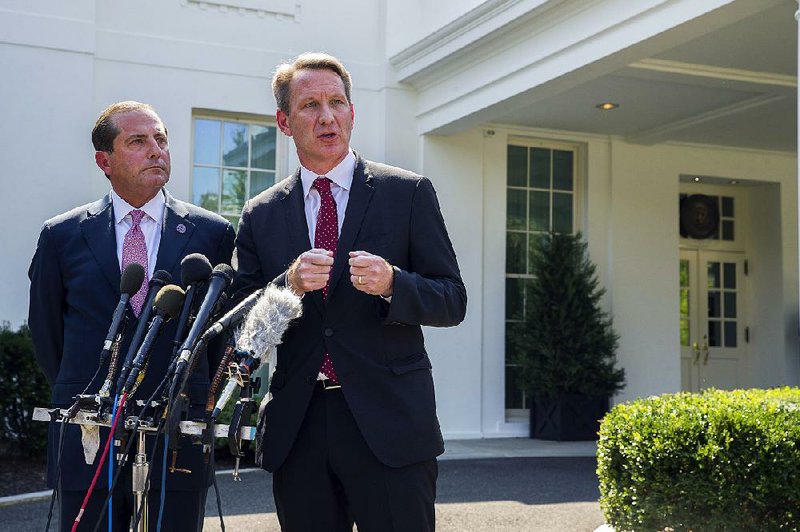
(733, 182)
(607, 106)
(696, 179)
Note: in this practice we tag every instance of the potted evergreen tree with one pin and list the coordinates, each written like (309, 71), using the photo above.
(565, 346)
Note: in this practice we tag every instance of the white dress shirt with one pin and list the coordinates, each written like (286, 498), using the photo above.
(342, 177)
(150, 225)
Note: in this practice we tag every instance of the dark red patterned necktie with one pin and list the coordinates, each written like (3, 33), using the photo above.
(326, 236)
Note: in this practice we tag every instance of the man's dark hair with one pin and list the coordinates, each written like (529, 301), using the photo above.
(105, 130)
(281, 81)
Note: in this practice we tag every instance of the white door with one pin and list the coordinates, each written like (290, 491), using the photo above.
(712, 326)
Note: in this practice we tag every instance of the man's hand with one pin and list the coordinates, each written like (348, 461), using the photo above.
(371, 274)
(310, 271)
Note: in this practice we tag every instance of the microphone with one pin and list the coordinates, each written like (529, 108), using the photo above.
(232, 318)
(131, 281)
(160, 279)
(167, 305)
(267, 321)
(219, 281)
(195, 269)
(262, 330)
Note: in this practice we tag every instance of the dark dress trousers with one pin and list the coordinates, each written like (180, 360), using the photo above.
(377, 348)
(75, 282)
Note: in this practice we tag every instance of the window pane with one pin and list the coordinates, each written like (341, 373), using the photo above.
(262, 141)
(234, 150)
(730, 334)
(516, 247)
(540, 211)
(516, 209)
(540, 168)
(206, 141)
(514, 394)
(730, 304)
(562, 213)
(729, 277)
(205, 188)
(517, 170)
(714, 304)
(684, 273)
(685, 332)
(684, 302)
(562, 170)
(234, 184)
(727, 207)
(260, 181)
(727, 230)
(514, 299)
(713, 275)
(714, 334)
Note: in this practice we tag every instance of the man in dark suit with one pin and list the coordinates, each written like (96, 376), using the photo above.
(350, 430)
(75, 286)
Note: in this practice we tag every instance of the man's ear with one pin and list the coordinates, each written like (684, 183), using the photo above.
(102, 160)
(283, 122)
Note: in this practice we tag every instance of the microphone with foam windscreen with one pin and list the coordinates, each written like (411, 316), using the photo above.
(232, 318)
(160, 279)
(261, 332)
(195, 270)
(167, 306)
(219, 281)
(130, 283)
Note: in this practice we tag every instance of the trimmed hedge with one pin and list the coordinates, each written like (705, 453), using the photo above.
(711, 461)
(22, 388)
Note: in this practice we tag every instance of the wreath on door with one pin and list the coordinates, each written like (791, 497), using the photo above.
(699, 216)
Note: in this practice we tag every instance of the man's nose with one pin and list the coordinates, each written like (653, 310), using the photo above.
(325, 114)
(154, 148)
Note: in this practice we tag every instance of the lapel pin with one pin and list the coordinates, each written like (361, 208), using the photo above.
(180, 228)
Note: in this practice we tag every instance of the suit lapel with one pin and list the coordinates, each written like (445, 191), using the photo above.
(297, 226)
(176, 232)
(98, 232)
(360, 195)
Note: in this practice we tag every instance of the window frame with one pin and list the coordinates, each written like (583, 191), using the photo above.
(241, 118)
(578, 196)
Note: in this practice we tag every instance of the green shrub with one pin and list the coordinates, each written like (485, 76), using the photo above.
(711, 461)
(22, 387)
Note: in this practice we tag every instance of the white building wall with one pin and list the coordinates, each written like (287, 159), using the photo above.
(46, 94)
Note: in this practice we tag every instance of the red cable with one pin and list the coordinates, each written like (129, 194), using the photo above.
(100, 465)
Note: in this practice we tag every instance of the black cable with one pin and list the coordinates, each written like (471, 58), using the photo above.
(216, 488)
(57, 489)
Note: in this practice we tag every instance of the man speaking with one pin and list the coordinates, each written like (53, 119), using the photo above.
(351, 431)
(75, 286)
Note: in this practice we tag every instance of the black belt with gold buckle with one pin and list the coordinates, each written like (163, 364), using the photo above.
(328, 385)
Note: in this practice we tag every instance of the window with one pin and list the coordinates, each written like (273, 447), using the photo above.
(540, 198)
(234, 159)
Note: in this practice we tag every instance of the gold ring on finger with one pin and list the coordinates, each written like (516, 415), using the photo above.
(360, 280)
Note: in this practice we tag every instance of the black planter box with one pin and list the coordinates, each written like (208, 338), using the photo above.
(569, 417)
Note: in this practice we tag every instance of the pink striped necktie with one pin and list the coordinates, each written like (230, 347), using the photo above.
(326, 236)
(134, 249)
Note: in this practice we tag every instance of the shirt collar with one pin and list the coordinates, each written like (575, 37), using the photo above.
(341, 174)
(153, 208)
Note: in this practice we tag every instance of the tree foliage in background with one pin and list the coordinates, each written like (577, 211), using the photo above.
(22, 388)
(565, 343)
